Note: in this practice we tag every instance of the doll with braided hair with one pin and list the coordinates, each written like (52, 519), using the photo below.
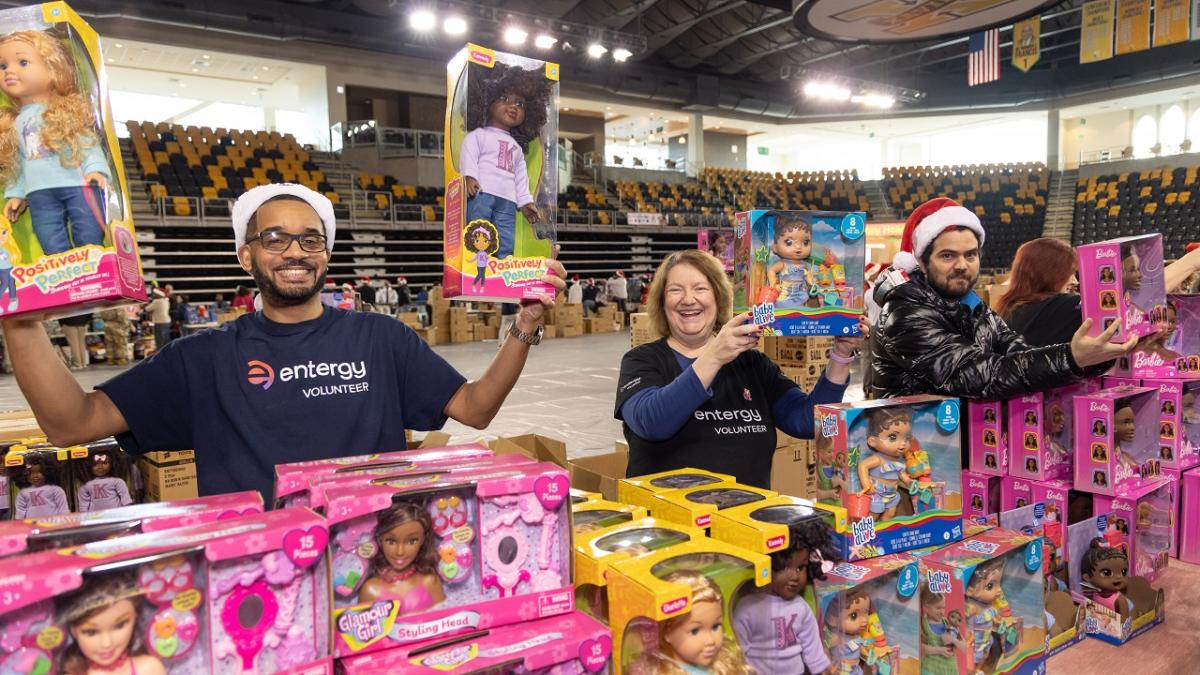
(1104, 574)
(51, 161)
(694, 643)
(101, 619)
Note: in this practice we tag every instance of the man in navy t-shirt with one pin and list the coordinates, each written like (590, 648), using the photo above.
(295, 381)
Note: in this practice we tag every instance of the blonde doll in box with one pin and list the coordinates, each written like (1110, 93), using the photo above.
(694, 643)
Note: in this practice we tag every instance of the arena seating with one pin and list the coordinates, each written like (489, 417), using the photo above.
(1126, 204)
(1010, 199)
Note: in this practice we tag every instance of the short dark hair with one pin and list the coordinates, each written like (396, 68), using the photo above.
(927, 254)
(252, 224)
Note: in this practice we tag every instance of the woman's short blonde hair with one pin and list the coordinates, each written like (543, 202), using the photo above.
(706, 264)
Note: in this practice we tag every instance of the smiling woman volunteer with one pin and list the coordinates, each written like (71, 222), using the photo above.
(702, 396)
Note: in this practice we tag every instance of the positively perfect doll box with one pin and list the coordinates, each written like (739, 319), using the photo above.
(66, 227)
(501, 163)
(801, 272)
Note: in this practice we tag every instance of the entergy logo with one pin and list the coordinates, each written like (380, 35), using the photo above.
(260, 373)
(939, 582)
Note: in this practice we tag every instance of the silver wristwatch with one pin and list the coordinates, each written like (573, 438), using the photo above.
(535, 339)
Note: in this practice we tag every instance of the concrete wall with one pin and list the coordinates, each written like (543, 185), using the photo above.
(580, 124)
(718, 150)
(620, 173)
(1090, 133)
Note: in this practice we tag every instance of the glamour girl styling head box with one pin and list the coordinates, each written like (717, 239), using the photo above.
(1121, 280)
(413, 563)
(501, 161)
(66, 228)
(801, 272)
(244, 595)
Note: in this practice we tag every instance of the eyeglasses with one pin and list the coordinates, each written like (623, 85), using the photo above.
(278, 242)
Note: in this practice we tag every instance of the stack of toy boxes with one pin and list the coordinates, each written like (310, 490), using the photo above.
(643, 490)
(987, 457)
(44, 480)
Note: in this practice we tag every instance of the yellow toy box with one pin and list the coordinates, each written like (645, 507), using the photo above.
(600, 514)
(581, 496)
(655, 599)
(696, 506)
(641, 490)
(765, 526)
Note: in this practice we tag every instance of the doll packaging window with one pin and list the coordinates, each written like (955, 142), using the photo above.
(572, 644)
(418, 562)
(583, 496)
(1142, 522)
(987, 438)
(800, 272)
(39, 481)
(66, 230)
(1119, 606)
(102, 477)
(642, 490)
(74, 529)
(990, 587)
(981, 494)
(1040, 434)
(765, 526)
(1116, 439)
(601, 514)
(291, 480)
(870, 613)
(1121, 280)
(1174, 351)
(898, 461)
(673, 608)
(696, 506)
(501, 164)
(1189, 516)
(596, 552)
(1178, 422)
(246, 595)
(718, 242)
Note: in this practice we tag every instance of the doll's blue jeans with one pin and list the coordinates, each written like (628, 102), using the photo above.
(51, 209)
(7, 284)
(499, 212)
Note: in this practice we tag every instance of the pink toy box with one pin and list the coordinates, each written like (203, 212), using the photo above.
(1178, 422)
(1189, 512)
(990, 588)
(247, 595)
(1116, 439)
(1142, 520)
(986, 440)
(291, 480)
(900, 466)
(719, 242)
(1119, 606)
(1175, 350)
(73, 529)
(870, 614)
(572, 644)
(981, 494)
(1041, 434)
(415, 563)
(1122, 280)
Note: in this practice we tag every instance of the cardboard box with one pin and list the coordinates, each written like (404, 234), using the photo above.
(549, 332)
(16, 425)
(534, 446)
(429, 335)
(492, 332)
(169, 475)
(598, 325)
(570, 331)
(600, 473)
(409, 317)
(794, 470)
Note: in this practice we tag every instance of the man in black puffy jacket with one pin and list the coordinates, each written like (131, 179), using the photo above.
(936, 336)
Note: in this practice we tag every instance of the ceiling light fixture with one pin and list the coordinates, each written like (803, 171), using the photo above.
(454, 25)
(545, 41)
(422, 20)
(515, 36)
(596, 50)
(621, 55)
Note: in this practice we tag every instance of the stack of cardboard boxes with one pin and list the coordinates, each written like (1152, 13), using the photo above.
(793, 467)
(641, 330)
(990, 288)
(565, 320)
(606, 320)
(801, 359)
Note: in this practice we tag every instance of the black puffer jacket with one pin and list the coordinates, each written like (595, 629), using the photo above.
(926, 344)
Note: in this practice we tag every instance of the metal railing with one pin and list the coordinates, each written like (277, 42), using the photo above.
(390, 142)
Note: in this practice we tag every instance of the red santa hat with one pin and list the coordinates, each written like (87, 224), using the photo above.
(928, 221)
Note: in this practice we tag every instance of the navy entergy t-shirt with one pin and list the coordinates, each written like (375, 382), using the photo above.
(254, 393)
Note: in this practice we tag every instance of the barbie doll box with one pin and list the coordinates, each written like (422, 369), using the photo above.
(870, 615)
(1041, 434)
(66, 229)
(501, 161)
(800, 272)
(899, 470)
(1121, 280)
(643, 490)
(987, 438)
(657, 598)
(1116, 439)
(601, 514)
(1118, 605)
(719, 242)
(1178, 422)
(471, 552)
(1142, 521)
(245, 595)
(1189, 513)
(1172, 352)
(573, 644)
(291, 480)
(991, 594)
(697, 506)
(981, 493)
(73, 529)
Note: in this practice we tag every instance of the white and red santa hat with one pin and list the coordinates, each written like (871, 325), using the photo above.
(928, 221)
(252, 199)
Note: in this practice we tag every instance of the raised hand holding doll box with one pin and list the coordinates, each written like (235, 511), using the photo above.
(501, 175)
(66, 233)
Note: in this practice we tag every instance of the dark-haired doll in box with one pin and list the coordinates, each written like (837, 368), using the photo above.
(507, 108)
(39, 493)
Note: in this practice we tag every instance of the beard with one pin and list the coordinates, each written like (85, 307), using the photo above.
(943, 284)
(290, 297)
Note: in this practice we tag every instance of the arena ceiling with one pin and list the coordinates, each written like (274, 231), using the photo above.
(739, 57)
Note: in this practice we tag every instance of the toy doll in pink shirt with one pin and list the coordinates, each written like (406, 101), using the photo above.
(102, 490)
(481, 237)
(508, 108)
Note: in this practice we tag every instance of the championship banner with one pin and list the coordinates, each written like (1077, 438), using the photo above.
(1133, 26)
(1170, 22)
(1096, 31)
(1027, 43)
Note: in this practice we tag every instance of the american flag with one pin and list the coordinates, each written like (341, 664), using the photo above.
(983, 57)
